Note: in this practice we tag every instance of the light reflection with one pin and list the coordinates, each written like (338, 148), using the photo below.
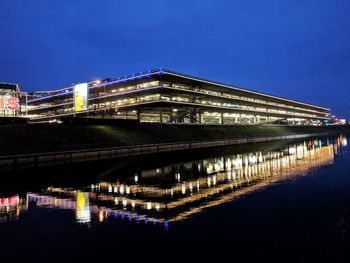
(82, 211)
(202, 184)
(101, 216)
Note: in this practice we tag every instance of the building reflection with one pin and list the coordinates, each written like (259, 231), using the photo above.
(176, 192)
(82, 210)
(11, 207)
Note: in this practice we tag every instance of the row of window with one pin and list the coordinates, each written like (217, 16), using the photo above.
(151, 84)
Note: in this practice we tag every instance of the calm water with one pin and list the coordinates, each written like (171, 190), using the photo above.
(280, 201)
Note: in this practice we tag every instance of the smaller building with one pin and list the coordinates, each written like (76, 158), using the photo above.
(12, 101)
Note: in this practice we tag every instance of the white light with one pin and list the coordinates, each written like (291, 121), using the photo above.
(149, 205)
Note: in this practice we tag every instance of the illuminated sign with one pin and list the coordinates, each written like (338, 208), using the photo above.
(81, 97)
(9, 103)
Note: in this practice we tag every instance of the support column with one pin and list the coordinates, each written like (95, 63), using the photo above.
(222, 118)
(171, 116)
(199, 117)
(138, 114)
(161, 115)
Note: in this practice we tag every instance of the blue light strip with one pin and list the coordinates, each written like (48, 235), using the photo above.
(97, 98)
(51, 106)
(52, 96)
(127, 78)
(125, 92)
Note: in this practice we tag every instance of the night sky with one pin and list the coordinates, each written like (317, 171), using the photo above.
(295, 49)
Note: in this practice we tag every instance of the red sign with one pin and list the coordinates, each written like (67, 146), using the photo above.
(10, 103)
(11, 201)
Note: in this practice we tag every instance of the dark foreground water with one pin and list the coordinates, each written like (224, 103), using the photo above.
(272, 202)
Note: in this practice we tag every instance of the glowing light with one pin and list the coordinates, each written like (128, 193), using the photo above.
(121, 190)
(344, 142)
(183, 189)
(101, 216)
(149, 205)
(82, 213)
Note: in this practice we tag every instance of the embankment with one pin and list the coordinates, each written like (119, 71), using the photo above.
(35, 145)
(34, 138)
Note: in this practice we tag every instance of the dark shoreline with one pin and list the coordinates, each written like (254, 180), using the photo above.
(44, 137)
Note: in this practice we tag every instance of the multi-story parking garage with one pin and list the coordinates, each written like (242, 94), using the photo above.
(170, 97)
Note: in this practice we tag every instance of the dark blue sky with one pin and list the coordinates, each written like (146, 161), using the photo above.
(295, 49)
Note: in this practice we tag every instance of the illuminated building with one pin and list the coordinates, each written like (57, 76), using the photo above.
(12, 100)
(170, 97)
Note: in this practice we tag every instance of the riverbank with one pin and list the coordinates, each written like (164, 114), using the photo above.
(34, 138)
(310, 204)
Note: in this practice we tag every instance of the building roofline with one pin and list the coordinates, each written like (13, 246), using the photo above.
(238, 88)
(162, 71)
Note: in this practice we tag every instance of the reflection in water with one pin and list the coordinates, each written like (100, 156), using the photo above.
(82, 210)
(10, 208)
(176, 192)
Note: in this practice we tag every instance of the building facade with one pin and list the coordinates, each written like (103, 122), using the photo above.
(169, 97)
(12, 100)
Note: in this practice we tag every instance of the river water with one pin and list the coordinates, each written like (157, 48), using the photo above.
(285, 201)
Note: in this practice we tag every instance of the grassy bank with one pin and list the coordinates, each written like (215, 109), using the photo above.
(26, 138)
